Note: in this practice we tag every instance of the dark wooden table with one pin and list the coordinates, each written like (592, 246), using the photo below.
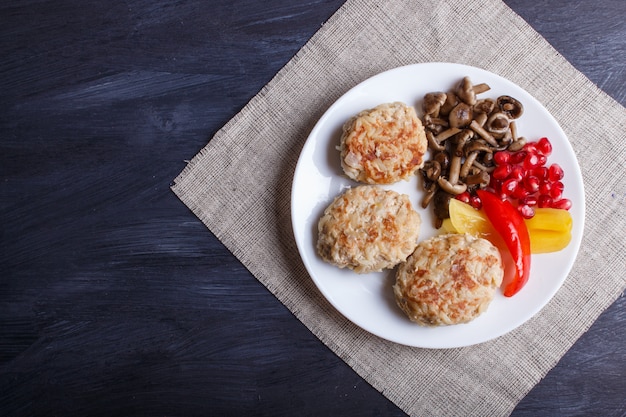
(114, 298)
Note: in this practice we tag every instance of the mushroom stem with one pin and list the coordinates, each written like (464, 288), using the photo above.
(481, 88)
(447, 133)
(483, 133)
(454, 170)
(481, 178)
(433, 143)
(455, 189)
(430, 193)
(481, 119)
(477, 146)
(483, 167)
(467, 164)
(513, 130)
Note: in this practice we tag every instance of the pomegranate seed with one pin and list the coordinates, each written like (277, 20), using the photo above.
(531, 184)
(541, 160)
(544, 146)
(476, 202)
(494, 184)
(520, 192)
(557, 190)
(556, 194)
(563, 204)
(464, 197)
(530, 200)
(509, 186)
(517, 173)
(545, 187)
(531, 147)
(502, 158)
(517, 157)
(527, 212)
(544, 201)
(501, 172)
(555, 172)
(531, 161)
(540, 172)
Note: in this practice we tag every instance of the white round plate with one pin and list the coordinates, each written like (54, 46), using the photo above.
(367, 300)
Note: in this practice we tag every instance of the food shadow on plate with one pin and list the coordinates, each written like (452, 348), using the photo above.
(388, 295)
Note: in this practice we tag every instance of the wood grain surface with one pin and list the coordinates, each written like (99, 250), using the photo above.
(114, 298)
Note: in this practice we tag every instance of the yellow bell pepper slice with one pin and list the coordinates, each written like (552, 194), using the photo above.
(546, 241)
(550, 219)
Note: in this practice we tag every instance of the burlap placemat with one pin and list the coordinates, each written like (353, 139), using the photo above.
(239, 186)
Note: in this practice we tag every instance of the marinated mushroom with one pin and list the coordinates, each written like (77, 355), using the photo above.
(482, 132)
(432, 169)
(454, 189)
(447, 134)
(461, 115)
(443, 158)
(481, 178)
(485, 105)
(465, 91)
(435, 124)
(451, 101)
(476, 146)
(441, 202)
(497, 124)
(517, 145)
(433, 143)
(510, 106)
(430, 189)
(468, 164)
(433, 102)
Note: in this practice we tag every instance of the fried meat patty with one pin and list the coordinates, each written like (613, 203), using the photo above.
(449, 279)
(383, 145)
(368, 229)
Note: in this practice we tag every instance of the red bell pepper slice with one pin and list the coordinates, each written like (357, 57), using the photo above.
(509, 224)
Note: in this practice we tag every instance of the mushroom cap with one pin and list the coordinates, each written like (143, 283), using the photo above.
(476, 146)
(465, 91)
(485, 105)
(461, 115)
(498, 123)
(433, 102)
(432, 170)
(510, 106)
(482, 178)
(451, 101)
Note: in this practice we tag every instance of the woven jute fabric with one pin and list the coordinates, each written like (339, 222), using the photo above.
(239, 185)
